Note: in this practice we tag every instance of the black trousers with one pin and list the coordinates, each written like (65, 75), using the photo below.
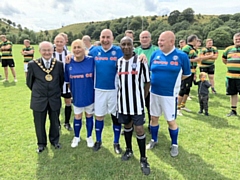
(203, 102)
(40, 123)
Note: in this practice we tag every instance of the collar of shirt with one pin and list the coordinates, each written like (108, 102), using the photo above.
(108, 49)
(44, 61)
(169, 51)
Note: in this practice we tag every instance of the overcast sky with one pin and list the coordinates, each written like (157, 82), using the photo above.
(52, 14)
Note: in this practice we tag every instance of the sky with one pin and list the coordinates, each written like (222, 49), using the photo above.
(53, 14)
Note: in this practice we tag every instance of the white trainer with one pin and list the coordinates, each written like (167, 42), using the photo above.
(179, 113)
(75, 142)
(186, 109)
(151, 144)
(90, 142)
(15, 80)
(174, 150)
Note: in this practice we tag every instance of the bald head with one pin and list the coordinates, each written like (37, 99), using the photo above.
(169, 35)
(166, 41)
(106, 39)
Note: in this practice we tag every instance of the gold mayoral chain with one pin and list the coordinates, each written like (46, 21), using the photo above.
(48, 77)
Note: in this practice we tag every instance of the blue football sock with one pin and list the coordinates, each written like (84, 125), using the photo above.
(117, 132)
(98, 128)
(77, 125)
(174, 135)
(89, 125)
(154, 132)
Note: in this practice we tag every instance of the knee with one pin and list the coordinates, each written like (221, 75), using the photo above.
(172, 124)
(139, 130)
(154, 120)
(78, 116)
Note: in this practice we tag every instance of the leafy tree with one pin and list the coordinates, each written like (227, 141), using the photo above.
(225, 17)
(96, 34)
(153, 18)
(12, 37)
(3, 30)
(119, 37)
(70, 37)
(22, 37)
(231, 23)
(221, 37)
(46, 32)
(89, 29)
(173, 17)
(9, 22)
(183, 34)
(19, 27)
(54, 34)
(236, 17)
(180, 26)
(198, 28)
(187, 14)
(211, 26)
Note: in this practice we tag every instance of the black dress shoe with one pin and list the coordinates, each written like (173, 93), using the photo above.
(40, 149)
(57, 146)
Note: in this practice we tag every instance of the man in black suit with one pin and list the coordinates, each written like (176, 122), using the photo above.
(45, 79)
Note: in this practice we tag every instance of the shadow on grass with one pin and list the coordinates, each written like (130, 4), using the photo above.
(189, 165)
(9, 84)
(83, 163)
(214, 121)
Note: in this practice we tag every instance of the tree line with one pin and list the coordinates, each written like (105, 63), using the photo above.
(220, 28)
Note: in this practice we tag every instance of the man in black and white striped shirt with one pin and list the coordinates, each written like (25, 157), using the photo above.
(60, 54)
(133, 86)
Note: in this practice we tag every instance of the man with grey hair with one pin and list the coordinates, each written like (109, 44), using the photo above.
(87, 41)
(146, 48)
(45, 79)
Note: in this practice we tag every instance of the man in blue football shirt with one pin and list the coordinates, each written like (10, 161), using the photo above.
(168, 67)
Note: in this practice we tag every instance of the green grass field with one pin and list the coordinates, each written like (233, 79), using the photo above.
(209, 147)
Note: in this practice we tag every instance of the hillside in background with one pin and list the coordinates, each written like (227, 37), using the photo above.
(221, 28)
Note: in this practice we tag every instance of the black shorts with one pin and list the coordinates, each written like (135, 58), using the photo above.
(138, 120)
(233, 86)
(66, 95)
(8, 62)
(208, 70)
(187, 83)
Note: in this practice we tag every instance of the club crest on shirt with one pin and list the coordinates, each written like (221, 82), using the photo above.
(114, 53)
(70, 68)
(175, 58)
(158, 57)
(99, 53)
(134, 65)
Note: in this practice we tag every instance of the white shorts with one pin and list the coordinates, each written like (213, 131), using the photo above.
(25, 67)
(105, 102)
(163, 104)
(88, 109)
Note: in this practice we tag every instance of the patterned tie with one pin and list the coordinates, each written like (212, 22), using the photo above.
(47, 64)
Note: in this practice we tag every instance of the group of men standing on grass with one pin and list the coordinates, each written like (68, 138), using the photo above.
(122, 80)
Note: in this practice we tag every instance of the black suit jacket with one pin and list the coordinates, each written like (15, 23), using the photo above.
(44, 92)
